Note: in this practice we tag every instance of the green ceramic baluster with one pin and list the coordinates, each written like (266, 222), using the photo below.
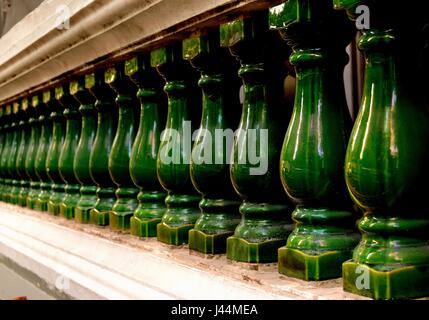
(99, 161)
(2, 144)
(119, 159)
(52, 160)
(13, 193)
(9, 141)
(211, 152)
(151, 197)
(5, 151)
(312, 160)
(30, 162)
(81, 166)
(265, 210)
(22, 154)
(42, 152)
(176, 145)
(386, 165)
(68, 151)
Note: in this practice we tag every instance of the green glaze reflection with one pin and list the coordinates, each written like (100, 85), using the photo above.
(386, 162)
(265, 222)
(21, 156)
(81, 164)
(151, 197)
(210, 158)
(42, 152)
(99, 160)
(52, 160)
(30, 162)
(119, 160)
(312, 160)
(68, 151)
(175, 149)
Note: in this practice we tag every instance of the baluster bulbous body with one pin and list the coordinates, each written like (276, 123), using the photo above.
(68, 151)
(212, 148)
(42, 153)
(54, 153)
(30, 162)
(3, 134)
(386, 161)
(119, 160)
(22, 154)
(151, 197)
(175, 149)
(99, 161)
(265, 223)
(312, 159)
(81, 164)
(8, 132)
(13, 193)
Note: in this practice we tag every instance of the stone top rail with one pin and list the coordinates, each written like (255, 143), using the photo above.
(36, 54)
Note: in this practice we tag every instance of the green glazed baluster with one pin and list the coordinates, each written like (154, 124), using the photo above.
(23, 143)
(99, 160)
(12, 196)
(151, 197)
(211, 152)
(53, 158)
(21, 157)
(312, 160)
(81, 166)
(2, 144)
(386, 165)
(265, 210)
(30, 162)
(176, 145)
(5, 152)
(119, 159)
(42, 153)
(68, 151)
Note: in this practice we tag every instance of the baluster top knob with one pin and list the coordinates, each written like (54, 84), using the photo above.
(16, 108)
(115, 77)
(79, 91)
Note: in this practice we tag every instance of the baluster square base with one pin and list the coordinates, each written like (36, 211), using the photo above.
(120, 221)
(54, 208)
(311, 267)
(144, 228)
(244, 251)
(99, 218)
(31, 203)
(398, 283)
(208, 243)
(173, 235)
(22, 201)
(82, 215)
(41, 205)
(67, 212)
